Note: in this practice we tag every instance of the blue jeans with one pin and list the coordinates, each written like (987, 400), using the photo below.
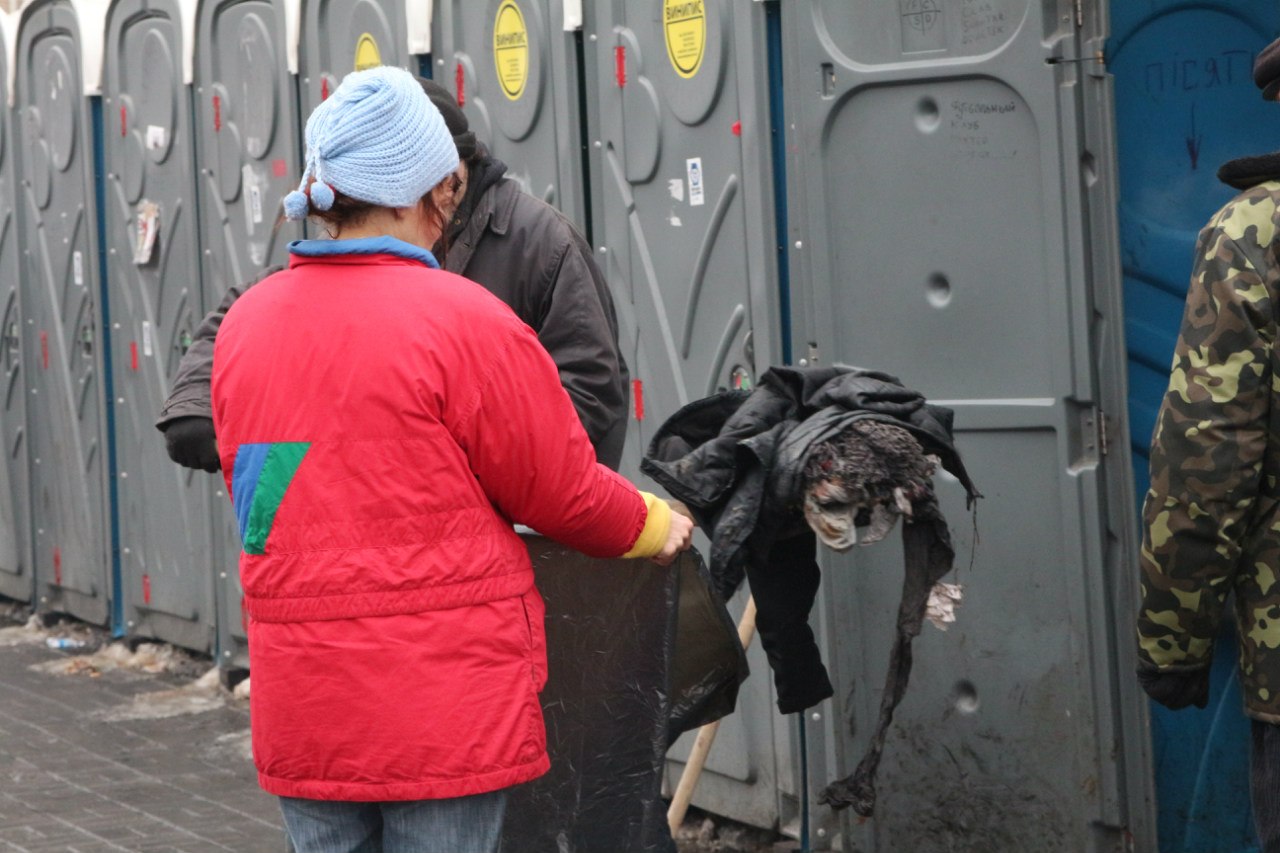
(460, 825)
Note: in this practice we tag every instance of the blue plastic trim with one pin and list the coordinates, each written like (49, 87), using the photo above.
(108, 382)
(295, 81)
(778, 140)
(778, 152)
(579, 58)
(424, 66)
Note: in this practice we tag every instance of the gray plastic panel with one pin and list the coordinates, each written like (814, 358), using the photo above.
(516, 74)
(248, 156)
(940, 228)
(341, 36)
(67, 444)
(155, 306)
(16, 576)
(1135, 785)
(683, 199)
(249, 146)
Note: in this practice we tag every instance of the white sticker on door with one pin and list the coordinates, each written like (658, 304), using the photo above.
(696, 194)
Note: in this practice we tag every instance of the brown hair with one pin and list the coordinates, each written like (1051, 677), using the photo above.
(347, 212)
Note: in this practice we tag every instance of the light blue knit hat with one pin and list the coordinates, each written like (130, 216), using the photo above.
(377, 138)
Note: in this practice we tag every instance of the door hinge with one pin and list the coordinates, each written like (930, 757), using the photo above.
(1103, 421)
(1079, 14)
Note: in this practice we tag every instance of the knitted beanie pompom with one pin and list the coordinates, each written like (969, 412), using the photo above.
(321, 195)
(295, 205)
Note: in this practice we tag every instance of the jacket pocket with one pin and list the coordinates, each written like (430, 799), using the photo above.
(535, 617)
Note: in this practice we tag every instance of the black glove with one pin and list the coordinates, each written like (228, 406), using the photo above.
(1176, 690)
(192, 444)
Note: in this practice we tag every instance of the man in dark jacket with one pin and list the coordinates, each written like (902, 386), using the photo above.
(522, 250)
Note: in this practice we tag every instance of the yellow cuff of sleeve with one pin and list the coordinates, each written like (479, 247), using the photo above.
(657, 524)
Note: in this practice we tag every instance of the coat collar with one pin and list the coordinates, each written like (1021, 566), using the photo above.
(384, 245)
(493, 212)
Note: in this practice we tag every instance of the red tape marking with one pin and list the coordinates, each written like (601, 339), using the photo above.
(637, 390)
(460, 83)
(620, 64)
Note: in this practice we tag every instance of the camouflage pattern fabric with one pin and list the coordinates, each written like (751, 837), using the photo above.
(1212, 517)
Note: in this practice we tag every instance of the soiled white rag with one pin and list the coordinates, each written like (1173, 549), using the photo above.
(941, 609)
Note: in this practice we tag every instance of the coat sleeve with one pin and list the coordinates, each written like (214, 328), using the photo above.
(577, 325)
(1209, 443)
(532, 458)
(190, 394)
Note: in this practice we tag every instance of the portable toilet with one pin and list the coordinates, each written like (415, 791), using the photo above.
(58, 64)
(951, 210)
(16, 576)
(1185, 104)
(154, 300)
(514, 66)
(248, 157)
(682, 203)
(341, 36)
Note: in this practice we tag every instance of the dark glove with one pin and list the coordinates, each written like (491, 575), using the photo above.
(1176, 690)
(192, 444)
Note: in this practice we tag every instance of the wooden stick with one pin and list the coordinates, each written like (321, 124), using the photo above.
(706, 737)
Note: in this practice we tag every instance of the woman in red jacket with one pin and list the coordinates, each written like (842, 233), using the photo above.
(382, 424)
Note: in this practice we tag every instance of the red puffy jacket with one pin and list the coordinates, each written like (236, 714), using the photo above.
(381, 426)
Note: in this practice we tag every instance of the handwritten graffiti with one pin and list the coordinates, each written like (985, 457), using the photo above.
(920, 15)
(1194, 140)
(1171, 76)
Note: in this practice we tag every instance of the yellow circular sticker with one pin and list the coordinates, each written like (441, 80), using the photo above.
(511, 49)
(367, 55)
(684, 23)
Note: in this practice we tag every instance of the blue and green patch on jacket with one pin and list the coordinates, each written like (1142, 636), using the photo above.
(260, 476)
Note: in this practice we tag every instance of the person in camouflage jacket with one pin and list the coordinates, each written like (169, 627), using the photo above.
(1211, 522)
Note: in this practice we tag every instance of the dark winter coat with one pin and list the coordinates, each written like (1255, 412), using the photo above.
(526, 253)
(736, 458)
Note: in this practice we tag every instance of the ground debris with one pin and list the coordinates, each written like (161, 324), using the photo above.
(149, 658)
(197, 697)
(706, 833)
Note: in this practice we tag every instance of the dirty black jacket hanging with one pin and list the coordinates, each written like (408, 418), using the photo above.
(737, 458)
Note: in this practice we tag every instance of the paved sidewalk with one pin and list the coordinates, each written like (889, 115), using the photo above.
(110, 748)
(95, 756)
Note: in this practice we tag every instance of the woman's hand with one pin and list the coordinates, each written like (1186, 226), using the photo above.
(679, 537)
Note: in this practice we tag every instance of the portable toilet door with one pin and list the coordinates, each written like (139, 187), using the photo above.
(683, 218)
(248, 157)
(951, 222)
(341, 36)
(1185, 104)
(514, 67)
(63, 335)
(153, 292)
(16, 577)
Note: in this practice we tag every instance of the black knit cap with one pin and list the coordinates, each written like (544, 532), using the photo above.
(454, 118)
(1266, 71)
